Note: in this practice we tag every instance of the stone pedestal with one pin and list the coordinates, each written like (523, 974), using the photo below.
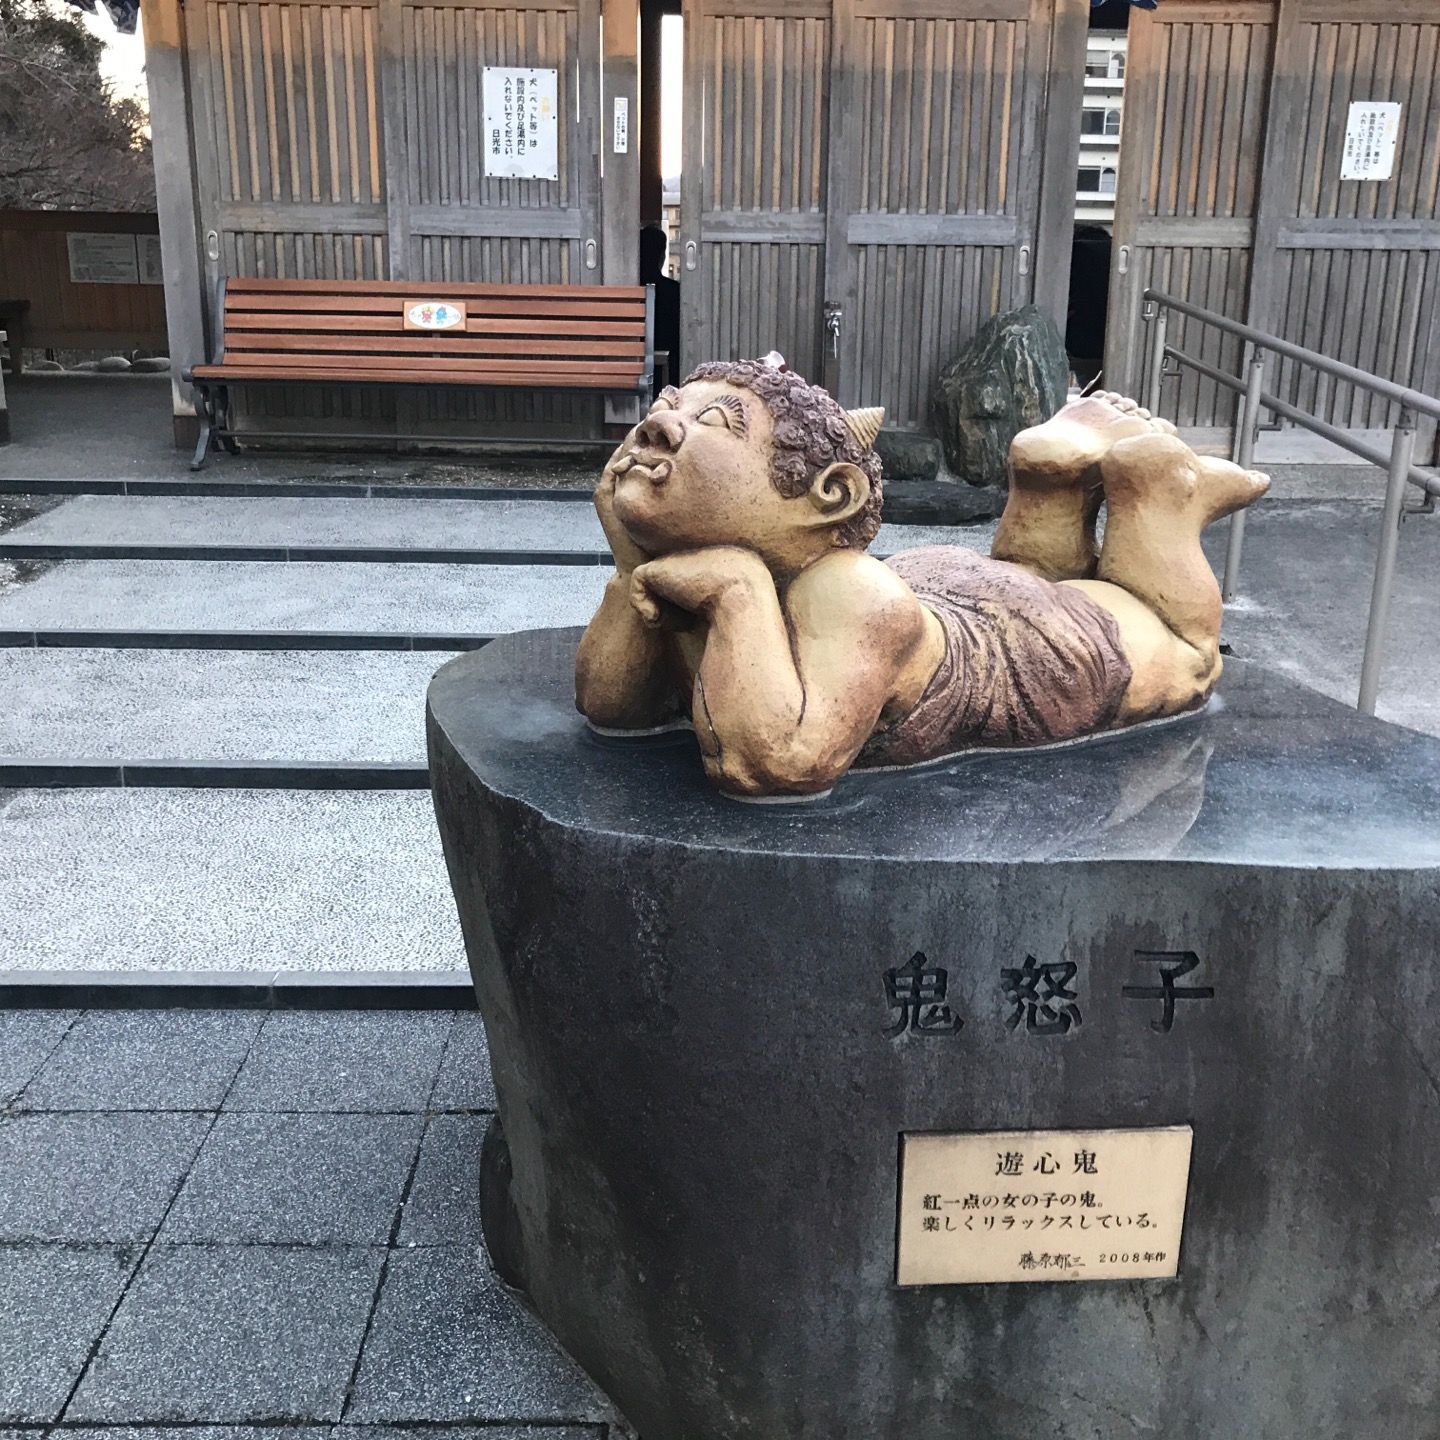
(703, 1080)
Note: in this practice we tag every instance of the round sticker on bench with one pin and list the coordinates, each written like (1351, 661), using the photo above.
(435, 315)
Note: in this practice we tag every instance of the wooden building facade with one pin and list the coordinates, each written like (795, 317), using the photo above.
(864, 183)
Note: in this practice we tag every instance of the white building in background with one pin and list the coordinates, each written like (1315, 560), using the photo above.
(1100, 123)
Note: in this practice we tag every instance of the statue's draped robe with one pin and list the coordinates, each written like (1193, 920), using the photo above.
(1026, 662)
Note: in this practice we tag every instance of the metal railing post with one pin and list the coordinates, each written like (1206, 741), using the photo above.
(1402, 454)
(1157, 359)
(1247, 432)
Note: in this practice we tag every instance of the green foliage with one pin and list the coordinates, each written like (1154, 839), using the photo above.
(65, 141)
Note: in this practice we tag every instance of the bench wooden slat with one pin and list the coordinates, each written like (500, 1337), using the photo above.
(390, 375)
(617, 371)
(414, 344)
(436, 289)
(395, 325)
(395, 304)
(521, 309)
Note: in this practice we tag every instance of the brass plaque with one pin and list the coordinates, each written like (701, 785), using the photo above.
(1010, 1206)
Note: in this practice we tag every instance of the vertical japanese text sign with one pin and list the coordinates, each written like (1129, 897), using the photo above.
(1372, 130)
(522, 123)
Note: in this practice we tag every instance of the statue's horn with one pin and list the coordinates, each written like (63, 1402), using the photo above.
(865, 424)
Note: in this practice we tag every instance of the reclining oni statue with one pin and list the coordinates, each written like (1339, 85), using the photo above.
(739, 511)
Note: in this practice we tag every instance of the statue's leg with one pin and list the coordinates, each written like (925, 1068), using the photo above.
(1159, 496)
(1055, 488)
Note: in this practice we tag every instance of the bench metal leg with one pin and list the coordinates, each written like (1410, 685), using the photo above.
(202, 445)
(205, 414)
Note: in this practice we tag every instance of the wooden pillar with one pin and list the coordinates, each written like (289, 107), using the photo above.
(620, 178)
(1064, 95)
(175, 201)
(652, 181)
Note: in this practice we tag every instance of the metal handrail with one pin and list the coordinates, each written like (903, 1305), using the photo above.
(1399, 463)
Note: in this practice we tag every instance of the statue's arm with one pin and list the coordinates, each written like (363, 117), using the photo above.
(785, 696)
(621, 679)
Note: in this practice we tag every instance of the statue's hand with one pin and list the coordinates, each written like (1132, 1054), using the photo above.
(627, 553)
(695, 581)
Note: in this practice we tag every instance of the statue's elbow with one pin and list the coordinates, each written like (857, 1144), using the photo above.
(779, 769)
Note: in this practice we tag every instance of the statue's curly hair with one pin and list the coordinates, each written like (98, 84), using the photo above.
(810, 433)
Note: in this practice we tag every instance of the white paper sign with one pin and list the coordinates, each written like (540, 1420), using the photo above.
(522, 123)
(1372, 131)
(622, 125)
(102, 259)
(147, 249)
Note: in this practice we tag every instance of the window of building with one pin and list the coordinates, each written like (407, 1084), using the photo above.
(1112, 122)
(1116, 70)
(1107, 181)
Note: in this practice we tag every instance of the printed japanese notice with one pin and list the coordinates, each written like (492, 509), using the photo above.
(522, 123)
(1011, 1206)
(100, 258)
(1372, 131)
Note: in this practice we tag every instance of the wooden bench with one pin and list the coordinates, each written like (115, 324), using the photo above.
(390, 332)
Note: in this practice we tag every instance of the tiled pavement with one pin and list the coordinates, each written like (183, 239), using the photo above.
(259, 1219)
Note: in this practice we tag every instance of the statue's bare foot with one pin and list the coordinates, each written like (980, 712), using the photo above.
(1159, 496)
(1049, 524)
(1068, 448)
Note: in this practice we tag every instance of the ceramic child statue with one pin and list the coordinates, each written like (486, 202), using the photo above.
(744, 603)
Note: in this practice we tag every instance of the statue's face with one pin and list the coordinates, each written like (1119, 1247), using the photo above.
(696, 472)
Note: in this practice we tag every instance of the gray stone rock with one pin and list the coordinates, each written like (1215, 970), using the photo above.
(940, 502)
(908, 455)
(1014, 373)
(152, 365)
(85, 367)
(43, 367)
(113, 365)
(703, 1083)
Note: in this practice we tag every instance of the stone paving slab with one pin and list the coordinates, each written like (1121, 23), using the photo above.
(441, 1208)
(138, 1060)
(297, 1179)
(197, 705)
(233, 1332)
(285, 520)
(241, 880)
(28, 1038)
(54, 1302)
(440, 1316)
(92, 1178)
(208, 1323)
(385, 1060)
(235, 595)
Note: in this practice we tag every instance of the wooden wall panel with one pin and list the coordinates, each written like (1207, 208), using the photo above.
(763, 297)
(1196, 106)
(941, 96)
(35, 266)
(446, 48)
(296, 108)
(940, 190)
(1355, 61)
(921, 303)
(299, 255)
(759, 85)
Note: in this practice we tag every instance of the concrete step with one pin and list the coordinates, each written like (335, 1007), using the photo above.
(204, 705)
(235, 596)
(388, 525)
(241, 880)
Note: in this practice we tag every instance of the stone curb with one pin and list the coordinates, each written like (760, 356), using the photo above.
(300, 489)
(235, 640)
(249, 990)
(40, 773)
